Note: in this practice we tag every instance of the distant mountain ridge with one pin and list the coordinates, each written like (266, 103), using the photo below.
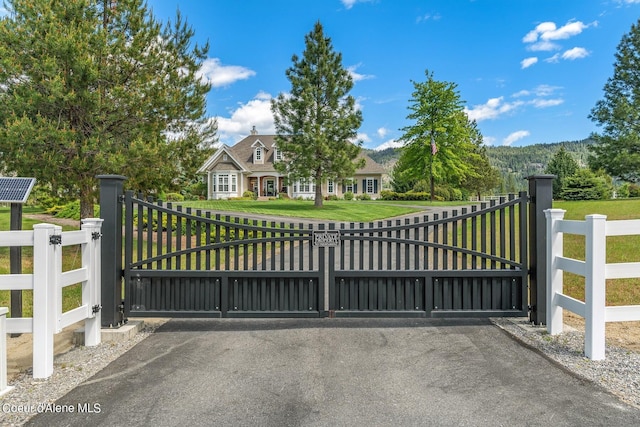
(514, 163)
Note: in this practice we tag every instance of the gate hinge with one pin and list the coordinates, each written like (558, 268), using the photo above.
(121, 198)
(55, 239)
(96, 235)
(96, 308)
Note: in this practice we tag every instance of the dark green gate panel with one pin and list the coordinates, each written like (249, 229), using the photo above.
(379, 295)
(273, 297)
(175, 297)
(479, 296)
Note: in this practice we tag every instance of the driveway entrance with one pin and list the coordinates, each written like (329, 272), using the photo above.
(326, 372)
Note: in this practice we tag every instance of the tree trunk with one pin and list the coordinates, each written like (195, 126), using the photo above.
(86, 203)
(318, 199)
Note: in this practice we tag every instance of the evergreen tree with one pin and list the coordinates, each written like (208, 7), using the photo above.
(485, 177)
(587, 185)
(618, 148)
(562, 165)
(317, 121)
(96, 87)
(440, 143)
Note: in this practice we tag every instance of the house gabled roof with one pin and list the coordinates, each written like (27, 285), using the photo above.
(242, 154)
(217, 156)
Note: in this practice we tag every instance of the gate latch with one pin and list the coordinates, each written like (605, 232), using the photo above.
(96, 308)
(55, 239)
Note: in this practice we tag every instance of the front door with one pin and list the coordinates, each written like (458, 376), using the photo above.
(271, 187)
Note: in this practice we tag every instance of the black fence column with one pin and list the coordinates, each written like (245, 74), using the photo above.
(541, 197)
(15, 261)
(111, 197)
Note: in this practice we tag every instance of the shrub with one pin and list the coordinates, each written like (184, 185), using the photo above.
(364, 196)
(634, 190)
(174, 197)
(331, 197)
(249, 195)
(622, 192)
(348, 195)
(411, 195)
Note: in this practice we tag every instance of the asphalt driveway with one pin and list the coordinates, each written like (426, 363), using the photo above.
(328, 372)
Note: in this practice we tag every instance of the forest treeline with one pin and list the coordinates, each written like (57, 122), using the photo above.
(514, 163)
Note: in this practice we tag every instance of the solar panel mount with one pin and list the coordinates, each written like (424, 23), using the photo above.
(15, 189)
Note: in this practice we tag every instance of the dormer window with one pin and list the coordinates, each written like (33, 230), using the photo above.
(278, 154)
(259, 152)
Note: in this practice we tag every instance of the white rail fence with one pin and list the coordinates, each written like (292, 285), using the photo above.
(47, 282)
(594, 269)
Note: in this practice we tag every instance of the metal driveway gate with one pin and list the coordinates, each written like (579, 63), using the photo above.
(187, 263)
(470, 262)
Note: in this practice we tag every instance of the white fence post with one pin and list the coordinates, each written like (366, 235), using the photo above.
(91, 291)
(3, 351)
(45, 273)
(554, 274)
(595, 286)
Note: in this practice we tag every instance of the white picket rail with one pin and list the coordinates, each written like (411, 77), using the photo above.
(47, 282)
(594, 269)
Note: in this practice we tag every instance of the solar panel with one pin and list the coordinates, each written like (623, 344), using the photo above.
(15, 190)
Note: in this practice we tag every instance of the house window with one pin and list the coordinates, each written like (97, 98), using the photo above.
(278, 154)
(369, 186)
(331, 187)
(234, 179)
(225, 157)
(223, 183)
(258, 154)
(348, 186)
(304, 185)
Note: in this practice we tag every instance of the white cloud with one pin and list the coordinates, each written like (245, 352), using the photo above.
(382, 132)
(363, 137)
(489, 140)
(492, 109)
(528, 62)
(523, 92)
(543, 46)
(544, 103)
(515, 136)
(553, 59)
(356, 76)
(542, 36)
(219, 75)
(350, 3)
(392, 143)
(575, 53)
(256, 112)
(545, 90)
(428, 16)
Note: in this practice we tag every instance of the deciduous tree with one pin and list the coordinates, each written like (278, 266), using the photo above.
(441, 142)
(91, 87)
(316, 123)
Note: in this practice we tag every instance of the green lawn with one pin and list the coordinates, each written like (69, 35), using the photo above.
(338, 210)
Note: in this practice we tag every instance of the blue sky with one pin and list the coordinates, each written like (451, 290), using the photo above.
(529, 71)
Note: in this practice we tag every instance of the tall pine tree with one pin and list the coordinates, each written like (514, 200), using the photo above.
(317, 122)
(617, 149)
(99, 86)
